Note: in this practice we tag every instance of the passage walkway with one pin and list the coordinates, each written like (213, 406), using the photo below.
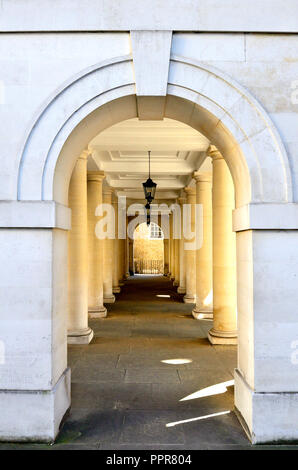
(147, 355)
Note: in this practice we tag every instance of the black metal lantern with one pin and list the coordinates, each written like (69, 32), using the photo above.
(149, 186)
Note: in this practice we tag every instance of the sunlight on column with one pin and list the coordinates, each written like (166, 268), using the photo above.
(208, 391)
(176, 361)
(208, 299)
(201, 316)
(169, 425)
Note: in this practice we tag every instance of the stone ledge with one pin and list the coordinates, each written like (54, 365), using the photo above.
(34, 214)
(198, 15)
(266, 216)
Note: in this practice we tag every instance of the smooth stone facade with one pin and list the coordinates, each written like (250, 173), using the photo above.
(238, 89)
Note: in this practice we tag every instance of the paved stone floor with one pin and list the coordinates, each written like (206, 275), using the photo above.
(125, 395)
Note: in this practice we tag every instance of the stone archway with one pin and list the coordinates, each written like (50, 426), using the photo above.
(200, 96)
(228, 115)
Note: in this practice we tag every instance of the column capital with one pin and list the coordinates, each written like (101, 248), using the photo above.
(107, 191)
(107, 194)
(201, 177)
(95, 176)
(114, 197)
(85, 154)
(182, 200)
(214, 153)
(190, 191)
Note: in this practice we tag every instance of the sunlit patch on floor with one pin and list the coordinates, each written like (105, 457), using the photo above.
(216, 389)
(163, 295)
(176, 361)
(199, 418)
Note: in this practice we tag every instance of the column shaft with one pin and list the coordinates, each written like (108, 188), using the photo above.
(116, 287)
(108, 296)
(177, 262)
(127, 253)
(190, 254)
(181, 289)
(78, 330)
(166, 256)
(224, 329)
(171, 245)
(204, 296)
(96, 247)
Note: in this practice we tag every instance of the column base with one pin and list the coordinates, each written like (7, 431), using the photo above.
(267, 418)
(80, 336)
(97, 312)
(116, 290)
(222, 337)
(189, 299)
(34, 415)
(110, 299)
(200, 314)
(181, 290)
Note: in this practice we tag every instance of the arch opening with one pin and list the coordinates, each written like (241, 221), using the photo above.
(148, 249)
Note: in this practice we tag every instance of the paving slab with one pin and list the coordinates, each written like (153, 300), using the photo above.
(149, 427)
(152, 376)
(90, 427)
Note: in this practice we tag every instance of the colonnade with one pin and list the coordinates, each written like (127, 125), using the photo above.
(201, 262)
(207, 271)
(96, 266)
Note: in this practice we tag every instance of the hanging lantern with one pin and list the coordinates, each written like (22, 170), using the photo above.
(149, 186)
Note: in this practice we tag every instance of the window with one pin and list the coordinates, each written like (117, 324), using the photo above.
(155, 231)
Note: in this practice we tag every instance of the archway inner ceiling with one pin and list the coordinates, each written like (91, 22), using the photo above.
(121, 151)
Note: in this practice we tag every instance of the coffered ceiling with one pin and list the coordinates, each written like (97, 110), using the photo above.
(121, 151)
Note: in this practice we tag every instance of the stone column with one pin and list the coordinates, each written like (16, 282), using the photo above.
(131, 268)
(96, 247)
(78, 329)
(121, 251)
(108, 296)
(122, 243)
(177, 262)
(181, 289)
(116, 287)
(224, 329)
(172, 242)
(190, 254)
(166, 256)
(171, 247)
(175, 230)
(127, 253)
(204, 297)
(131, 263)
